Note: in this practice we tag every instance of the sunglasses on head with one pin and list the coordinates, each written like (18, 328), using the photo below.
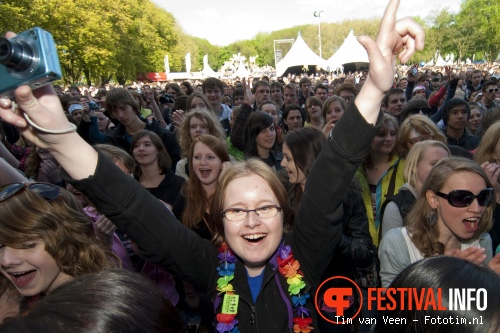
(48, 191)
(421, 138)
(492, 90)
(426, 111)
(463, 198)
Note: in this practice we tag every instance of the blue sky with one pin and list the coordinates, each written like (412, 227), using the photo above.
(222, 22)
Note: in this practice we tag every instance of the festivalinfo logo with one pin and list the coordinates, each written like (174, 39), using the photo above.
(339, 301)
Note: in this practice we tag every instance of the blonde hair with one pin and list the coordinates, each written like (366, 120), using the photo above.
(486, 150)
(214, 128)
(415, 155)
(421, 124)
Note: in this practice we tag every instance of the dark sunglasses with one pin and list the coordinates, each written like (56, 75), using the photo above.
(492, 90)
(426, 111)
(48, 191)
(463, 198)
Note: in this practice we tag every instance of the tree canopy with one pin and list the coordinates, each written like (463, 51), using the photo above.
(99, 40)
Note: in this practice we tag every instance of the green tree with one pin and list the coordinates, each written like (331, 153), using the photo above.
(484, 17)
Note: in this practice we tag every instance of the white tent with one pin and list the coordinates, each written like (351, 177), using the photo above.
(207, 71)
(241, 72)
(440, 61)
(299, 55)
(351, 51)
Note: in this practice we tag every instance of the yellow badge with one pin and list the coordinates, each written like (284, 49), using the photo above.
(230, 304)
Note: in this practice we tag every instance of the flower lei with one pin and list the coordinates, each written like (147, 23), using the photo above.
(288, 267)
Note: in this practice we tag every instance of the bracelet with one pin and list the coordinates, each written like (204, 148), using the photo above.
(72, 127)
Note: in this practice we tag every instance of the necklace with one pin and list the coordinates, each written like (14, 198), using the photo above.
(289, 268)
(378, 166)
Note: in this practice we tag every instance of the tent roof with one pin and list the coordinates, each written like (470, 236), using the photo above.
(207, 71)
(241, 72)
(350, 51)
(299, 55)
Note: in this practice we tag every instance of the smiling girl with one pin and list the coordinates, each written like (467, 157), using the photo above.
(381, 174)
(48, 244)
(208, 157)
(153, 167)
(261, 139)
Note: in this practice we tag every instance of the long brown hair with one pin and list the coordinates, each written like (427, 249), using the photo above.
(197, 201)
(305, 144)
(426, 237)
(164, 160)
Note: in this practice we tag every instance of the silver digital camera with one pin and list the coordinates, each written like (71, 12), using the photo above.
(30, 58)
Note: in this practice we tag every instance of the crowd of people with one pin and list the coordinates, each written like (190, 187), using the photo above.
(222, 206)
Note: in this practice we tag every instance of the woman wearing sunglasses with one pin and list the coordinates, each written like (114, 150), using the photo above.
(451, 216)
(45, 240)
(255, 275)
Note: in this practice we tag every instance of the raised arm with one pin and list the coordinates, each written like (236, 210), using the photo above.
(154, 107)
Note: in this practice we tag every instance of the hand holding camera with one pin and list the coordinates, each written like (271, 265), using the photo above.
(44, 108)
(29, 58)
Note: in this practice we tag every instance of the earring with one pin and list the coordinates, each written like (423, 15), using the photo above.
(432, 218)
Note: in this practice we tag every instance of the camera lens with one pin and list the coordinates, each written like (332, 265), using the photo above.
(15, 54)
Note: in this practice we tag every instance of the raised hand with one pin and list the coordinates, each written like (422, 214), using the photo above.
(492, 170)
(401, 37)
(473, 254)
(494, 263)
(177, 118)
(328, 128)
(249, 97)
(45, 110)
(106, 228)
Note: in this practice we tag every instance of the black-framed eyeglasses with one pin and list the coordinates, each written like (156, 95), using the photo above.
(239, 214)
(493, 90)
(463, 198)
(426, 111)
(48, 191)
